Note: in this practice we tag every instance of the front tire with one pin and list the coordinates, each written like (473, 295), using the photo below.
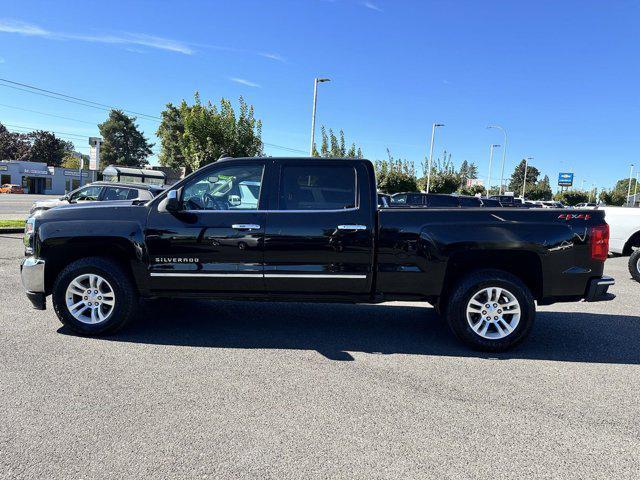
(634, 265)
(94, 296)
(490, 310)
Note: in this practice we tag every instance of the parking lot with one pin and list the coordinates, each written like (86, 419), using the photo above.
(276, 390)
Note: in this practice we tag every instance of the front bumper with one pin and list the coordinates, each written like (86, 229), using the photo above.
(597, 289)
(32, 274)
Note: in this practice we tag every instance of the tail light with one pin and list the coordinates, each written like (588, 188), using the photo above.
(600, 242)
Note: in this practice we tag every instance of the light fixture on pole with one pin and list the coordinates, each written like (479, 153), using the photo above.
(313, 115)
(524, 180)
(630, 178)
(433, 133)
(504, 154)
(490, 161)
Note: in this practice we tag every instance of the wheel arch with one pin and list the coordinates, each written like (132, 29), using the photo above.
(524, 265)
(59, 254)
(634, 241)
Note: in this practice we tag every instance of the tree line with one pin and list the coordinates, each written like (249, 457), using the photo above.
(193, 134)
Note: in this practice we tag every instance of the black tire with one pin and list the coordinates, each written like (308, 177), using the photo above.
(461, 294)
(126, 295)
(634, 265)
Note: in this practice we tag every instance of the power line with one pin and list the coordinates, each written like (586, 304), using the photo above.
(100, 106)
(52, 94)
(48, 114)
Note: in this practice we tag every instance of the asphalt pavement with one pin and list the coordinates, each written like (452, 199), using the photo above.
(14, 206)
(197, 389)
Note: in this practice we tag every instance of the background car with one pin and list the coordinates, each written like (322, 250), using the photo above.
(100, 192)
(439, 200)
(10, 188)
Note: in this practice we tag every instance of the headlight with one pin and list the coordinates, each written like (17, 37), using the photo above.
(29, 229)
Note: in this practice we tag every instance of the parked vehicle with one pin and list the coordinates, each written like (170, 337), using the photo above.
(315, 234)
(624, 223)
(100, 192)
(11, 188)
(438, 200)
(586, 205)
(510, 201)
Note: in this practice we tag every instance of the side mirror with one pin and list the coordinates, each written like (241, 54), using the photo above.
(170, 203)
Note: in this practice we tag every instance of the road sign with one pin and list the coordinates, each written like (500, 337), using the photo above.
(565, 179)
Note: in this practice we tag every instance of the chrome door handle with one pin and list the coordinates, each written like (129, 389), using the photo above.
(352, 227)
(245, 226)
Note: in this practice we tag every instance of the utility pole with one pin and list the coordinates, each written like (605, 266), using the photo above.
(504, 154)
(433, 134)
(524, 180)
(630, 177)
(313, 115)
(490, 161)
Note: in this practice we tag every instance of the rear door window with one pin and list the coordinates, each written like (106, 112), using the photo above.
(317, 187)
(118, 193)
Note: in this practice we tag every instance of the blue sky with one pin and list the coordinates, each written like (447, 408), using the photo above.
(561, 76)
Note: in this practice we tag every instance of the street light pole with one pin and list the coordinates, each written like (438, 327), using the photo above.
(524, 180)
(313, 115)
(433, 134)
(630, 178)
(490, 161)
(504, 154)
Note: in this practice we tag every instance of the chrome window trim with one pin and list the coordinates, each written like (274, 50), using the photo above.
(273, 211)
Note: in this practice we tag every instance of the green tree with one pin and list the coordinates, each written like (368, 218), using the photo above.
(72, 160)
(618, 194)
(170, 132)
(517, 177)
(47, 148)
(444, 178)
(13, 146)
(572, 197)
(394, 176)
(123, 142)
(333, 146)
(196, 135)
(540, 191)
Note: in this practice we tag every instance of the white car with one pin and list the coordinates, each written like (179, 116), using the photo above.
(624, 226)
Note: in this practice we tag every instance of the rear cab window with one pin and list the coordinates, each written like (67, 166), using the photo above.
(317, 187)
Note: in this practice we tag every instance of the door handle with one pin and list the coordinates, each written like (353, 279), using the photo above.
(352, 227)
(245, 226)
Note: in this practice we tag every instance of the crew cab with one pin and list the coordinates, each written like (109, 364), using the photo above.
(308, 229)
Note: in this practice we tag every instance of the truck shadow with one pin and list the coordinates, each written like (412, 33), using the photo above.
(334, 330)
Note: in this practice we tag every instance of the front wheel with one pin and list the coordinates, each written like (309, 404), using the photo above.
(634, 265)
(491, 310)
(94, 296)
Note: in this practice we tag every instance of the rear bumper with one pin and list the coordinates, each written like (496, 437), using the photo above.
(32, 275)
(597, 289)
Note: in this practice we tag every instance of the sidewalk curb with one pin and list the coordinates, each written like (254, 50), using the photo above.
(11, 230)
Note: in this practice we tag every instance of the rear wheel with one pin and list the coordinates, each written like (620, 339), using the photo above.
(93, 296)
(490, 310)
(634, 265)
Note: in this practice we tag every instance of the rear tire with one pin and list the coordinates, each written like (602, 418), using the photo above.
(94, 296)
(634, 265)
(490, 310)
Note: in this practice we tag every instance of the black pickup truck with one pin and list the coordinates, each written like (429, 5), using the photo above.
(289, 229)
